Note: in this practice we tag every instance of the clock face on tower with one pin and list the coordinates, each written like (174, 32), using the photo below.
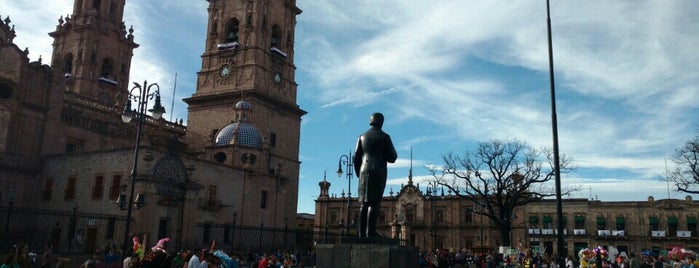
(277, 78)
(224, 71)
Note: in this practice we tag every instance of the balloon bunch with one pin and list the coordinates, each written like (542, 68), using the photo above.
(138, 247)
(675, 254)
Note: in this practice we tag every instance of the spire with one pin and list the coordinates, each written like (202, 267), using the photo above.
(324, 186)
(410, 173)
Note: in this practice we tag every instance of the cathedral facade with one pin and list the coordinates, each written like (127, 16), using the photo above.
(63, 144)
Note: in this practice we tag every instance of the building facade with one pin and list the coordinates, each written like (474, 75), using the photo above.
(427, 219)
(63, 144)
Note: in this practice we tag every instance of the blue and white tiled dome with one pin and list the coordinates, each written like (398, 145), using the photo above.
(242, 133)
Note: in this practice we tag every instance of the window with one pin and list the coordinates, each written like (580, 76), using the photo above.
(212, 195)
(70, 189)
(579, 222)
(272, 139)
(620, 223)
(68, 63)
(107, 68)
(410, 214)
(48, 189)
(115, 188)
(692, 225)
(206, 236)
(439, 215)
(74, 145)
(263, 199)
(601, 223)
(275, 39)
(112, 9)
(653, 223)
(466, 215)
(111, 226)
(98, 188)
(548, 222)
(332, 219)
(226, 234)
(672, 226)
(533, 222)
(96, 4)
(232, 31)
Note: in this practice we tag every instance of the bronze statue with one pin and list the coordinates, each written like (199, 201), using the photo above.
(374, 150)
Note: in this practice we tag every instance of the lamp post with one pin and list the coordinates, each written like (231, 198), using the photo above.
(141, 95)
(12, 192)
(235, 216)
(431, 195)
(347, 161)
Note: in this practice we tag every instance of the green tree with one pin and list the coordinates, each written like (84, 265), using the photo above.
(501, 176)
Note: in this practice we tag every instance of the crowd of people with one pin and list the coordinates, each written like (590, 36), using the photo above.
(22, 256)
(528, 259)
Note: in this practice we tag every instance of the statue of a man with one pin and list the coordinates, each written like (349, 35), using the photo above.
(374, 150)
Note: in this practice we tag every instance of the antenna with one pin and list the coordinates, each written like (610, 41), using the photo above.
(172, 106)
(667, 179)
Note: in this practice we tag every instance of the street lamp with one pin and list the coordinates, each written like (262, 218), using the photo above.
(141, 95)
(12, 193)
(235, 216)
(431, 195)
(347, 161)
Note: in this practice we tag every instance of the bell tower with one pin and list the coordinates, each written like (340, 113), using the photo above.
(249, 53)
(92, 49)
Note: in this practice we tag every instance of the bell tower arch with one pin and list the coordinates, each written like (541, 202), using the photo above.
(93, 49)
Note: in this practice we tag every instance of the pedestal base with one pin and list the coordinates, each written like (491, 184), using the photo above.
(356, 252)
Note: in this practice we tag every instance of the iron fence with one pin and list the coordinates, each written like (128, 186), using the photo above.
(68, 231)
(74, 232)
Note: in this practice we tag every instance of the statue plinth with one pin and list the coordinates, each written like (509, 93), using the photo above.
(363, 252)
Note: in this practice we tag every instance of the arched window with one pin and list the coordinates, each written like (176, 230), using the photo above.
(276, 38)
(107, 68)
(112, 9)
(68, 63)
(232, 30)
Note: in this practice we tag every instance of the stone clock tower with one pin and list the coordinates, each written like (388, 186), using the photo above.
(244, 112)
(92, 49)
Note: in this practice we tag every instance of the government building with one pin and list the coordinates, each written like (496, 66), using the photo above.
(427, 219)
(76, 175)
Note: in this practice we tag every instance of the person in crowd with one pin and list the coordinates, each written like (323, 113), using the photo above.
(91, 263)
(10, 261)
(47, 257)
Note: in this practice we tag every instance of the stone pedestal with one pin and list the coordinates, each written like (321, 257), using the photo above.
(356, 252)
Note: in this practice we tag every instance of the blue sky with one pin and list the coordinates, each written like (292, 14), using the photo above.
(450, 74)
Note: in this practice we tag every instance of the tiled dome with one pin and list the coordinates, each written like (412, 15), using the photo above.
(242, 133)
(242, 105)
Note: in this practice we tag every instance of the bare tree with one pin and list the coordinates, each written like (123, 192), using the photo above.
(686, 174)
(501, 176)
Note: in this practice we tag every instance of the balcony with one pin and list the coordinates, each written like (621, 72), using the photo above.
(228, 46)
(277, 52)
(684, 234)
(210, 205)
(565, 231)
(604, 232)
(579, 232)
(618, 233)
(658, 234)
(107, 80)
(547, 231)
(534, 231)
